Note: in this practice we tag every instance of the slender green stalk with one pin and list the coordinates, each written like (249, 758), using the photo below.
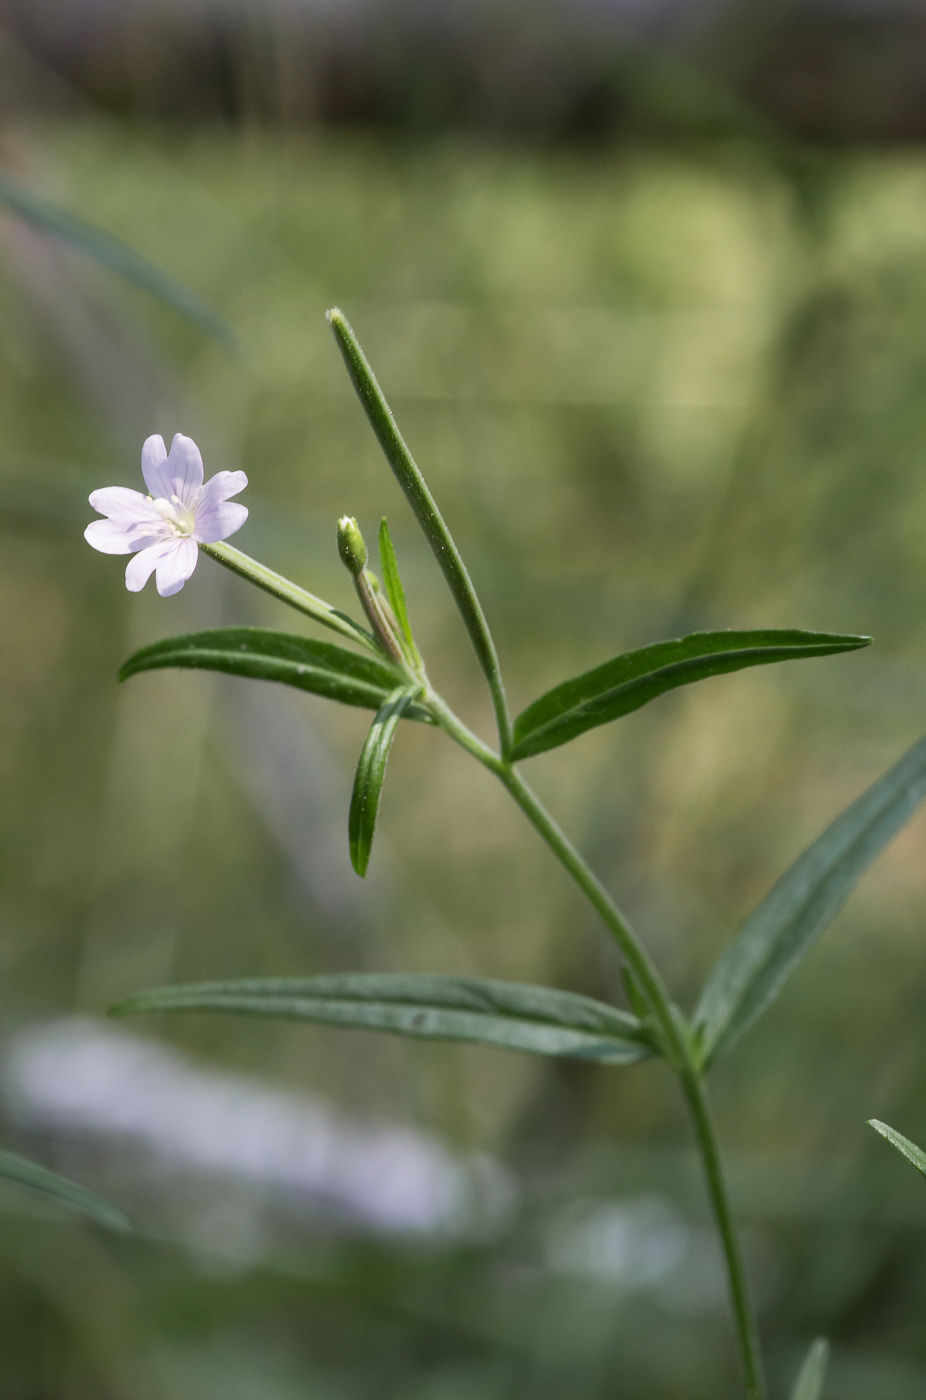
(290, 593)
(676, 1041)
(693, 1086)
(406, 472)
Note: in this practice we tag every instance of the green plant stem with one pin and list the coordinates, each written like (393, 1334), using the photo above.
(290, 593)
(694, 1090)
(677, 1046)
(405, 469)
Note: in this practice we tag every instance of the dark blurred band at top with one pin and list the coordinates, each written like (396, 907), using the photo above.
(828, 70)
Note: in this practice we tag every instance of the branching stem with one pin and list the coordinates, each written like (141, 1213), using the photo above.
(674, 1034)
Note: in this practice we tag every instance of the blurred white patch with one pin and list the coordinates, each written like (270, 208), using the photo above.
(643, 1244)
(634, 1243)
(79, 1077)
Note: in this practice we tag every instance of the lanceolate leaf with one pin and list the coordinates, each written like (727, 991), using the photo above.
(320, 667)
(406, 472)
(909, 1149)
(752, 971)
(368, 782)
(629, 681)
(69, 1193)
(509, 1015)
(392, 582)
(809, 1383)
(112, 253)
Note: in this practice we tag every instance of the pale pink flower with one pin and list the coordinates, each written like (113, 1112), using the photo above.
(164, 529)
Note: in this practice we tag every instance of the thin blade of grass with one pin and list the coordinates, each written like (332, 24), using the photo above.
(810, 1379)
(59, 1188)
(112, 253)
(908, 1149)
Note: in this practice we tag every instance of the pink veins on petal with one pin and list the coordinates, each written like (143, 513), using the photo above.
(164, 529)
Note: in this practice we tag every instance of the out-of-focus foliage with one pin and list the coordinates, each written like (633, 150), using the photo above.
(575, 68)
(655, 391)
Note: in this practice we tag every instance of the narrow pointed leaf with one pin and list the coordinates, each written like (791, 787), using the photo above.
(909, 1149)
(509, 1015)
(406, 472)
(368, 782)
(320, 667)
(748, 976)
(809, 1383)
(112, 253)
(630, 680)
(392, 582)
(69, 1193)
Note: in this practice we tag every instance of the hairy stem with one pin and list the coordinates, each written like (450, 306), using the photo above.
(676, 1042)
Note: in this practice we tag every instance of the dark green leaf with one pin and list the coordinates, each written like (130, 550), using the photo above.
(320, 667)
(368, 781)
(510, 1015)
(809, 1383)
(913, 1154)
(629, 681)
(112, 253)
(26, 1173)
(392, 582)
(752, 971)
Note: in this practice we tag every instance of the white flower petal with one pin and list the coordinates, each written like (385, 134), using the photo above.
(220, 521)
(123, 505)
(153, 458)
(221, 487)
(184, 466)
(109, 537)
(139, 570)
(175, 568)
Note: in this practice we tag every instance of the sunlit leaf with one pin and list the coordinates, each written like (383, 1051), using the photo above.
(768, 947)
(69, 1193)
(636, 677)
(509, 1015)
(320, 667)
(392, 582)
(368, 781)
(913, 1154)
(112, 253)
(809, 1383)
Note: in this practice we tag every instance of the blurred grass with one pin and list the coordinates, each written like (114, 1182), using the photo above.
(651, 395)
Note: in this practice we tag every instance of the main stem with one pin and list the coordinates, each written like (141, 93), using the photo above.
(676, 1043)
(694, 1090)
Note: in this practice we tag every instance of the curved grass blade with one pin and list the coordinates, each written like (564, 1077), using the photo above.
(118, 257)
(909, 1149)
(392, 582)
(508, 1015)
(748, 976)
(368, 781)
(69, 1193)
(809, 1383)
(406, 472)
(630, 680)
(319, 667)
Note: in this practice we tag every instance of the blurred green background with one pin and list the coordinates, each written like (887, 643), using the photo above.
(656, 385)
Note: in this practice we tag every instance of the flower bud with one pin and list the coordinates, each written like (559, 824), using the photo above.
(351, 547)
